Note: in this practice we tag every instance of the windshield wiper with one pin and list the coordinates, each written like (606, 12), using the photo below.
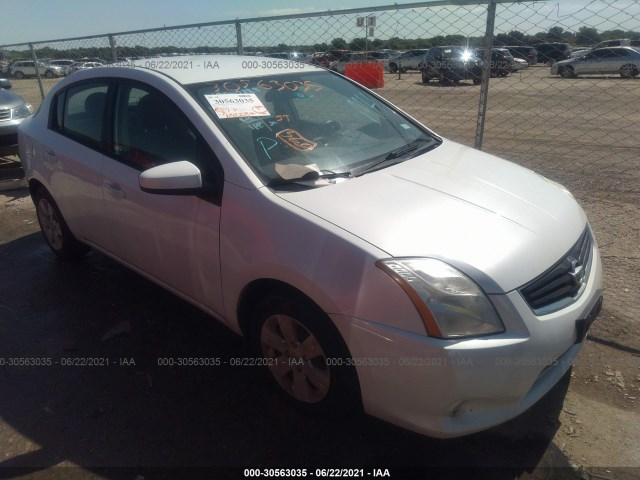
(402, 151)
(311, 176)
(398, 153)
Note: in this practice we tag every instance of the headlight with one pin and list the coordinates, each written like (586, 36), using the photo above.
(22, 111)
(450, 303)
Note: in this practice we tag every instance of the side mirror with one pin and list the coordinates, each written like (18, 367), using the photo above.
(175, 178)
(5, 83)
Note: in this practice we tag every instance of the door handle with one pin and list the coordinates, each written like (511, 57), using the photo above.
(114, 189)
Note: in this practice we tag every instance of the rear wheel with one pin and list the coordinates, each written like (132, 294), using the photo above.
(425, 78)
(304, 354)
(393, 68)
(19, 74)
(48, 74)
(628, 71)
(54, 229)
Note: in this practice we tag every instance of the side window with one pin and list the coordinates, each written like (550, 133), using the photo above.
(150, 130)
(79, 112)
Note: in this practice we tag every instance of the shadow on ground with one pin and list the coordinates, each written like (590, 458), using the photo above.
(136, 413)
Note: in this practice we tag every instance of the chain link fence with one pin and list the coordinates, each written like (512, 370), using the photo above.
(583, 131)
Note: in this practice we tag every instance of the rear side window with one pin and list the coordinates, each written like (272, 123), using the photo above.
(79, 113)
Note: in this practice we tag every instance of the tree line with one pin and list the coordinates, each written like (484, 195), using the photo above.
(585, 36)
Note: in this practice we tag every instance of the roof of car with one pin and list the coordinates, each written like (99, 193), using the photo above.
(617, 47)
(203, 68)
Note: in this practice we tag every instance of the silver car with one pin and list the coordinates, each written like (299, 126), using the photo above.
(27, 68)
(13, 110)
(610, 60)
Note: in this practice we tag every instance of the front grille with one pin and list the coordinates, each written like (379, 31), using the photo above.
(562, 283)
(5, 114)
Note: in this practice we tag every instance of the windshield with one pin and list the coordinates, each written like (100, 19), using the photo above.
(289, 125)
(456, 53)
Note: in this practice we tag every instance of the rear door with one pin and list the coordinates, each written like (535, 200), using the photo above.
(73, 150)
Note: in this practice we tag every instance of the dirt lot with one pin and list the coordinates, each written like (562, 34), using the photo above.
(584, 133)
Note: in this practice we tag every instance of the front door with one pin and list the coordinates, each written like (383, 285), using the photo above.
(172, 238)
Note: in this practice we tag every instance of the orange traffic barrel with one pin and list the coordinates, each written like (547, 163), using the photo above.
(367, 74)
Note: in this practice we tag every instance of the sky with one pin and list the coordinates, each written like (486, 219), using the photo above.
(37, 20)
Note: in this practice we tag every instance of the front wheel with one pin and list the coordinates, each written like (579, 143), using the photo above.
(566, 72)
(54, 229)
(304, 354)
(393, 68)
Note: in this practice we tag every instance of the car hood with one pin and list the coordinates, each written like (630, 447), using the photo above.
(500, 223)
(9, 99)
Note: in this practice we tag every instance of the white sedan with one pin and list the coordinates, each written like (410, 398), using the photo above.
(369, 261)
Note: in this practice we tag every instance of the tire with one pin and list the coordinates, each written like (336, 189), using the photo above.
(425, 78)
(393, 68)
(566, 72)
(477, 80)
(19, 74)
(628, 71)
(55, 230)
(48, 74)
(296, 340)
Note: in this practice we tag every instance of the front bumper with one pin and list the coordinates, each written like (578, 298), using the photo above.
(450, 388)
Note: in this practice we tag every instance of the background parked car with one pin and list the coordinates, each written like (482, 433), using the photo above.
(501, 61)
(451, 64)
(519, 64)
(383, 57)
(341, 64)
(325, 59)
(611, 60)
(84, 65)
(27, 68)
(409, 60)
(552, 52)
(620, 42)
(13, 110)
(65, 64)
(529, 54)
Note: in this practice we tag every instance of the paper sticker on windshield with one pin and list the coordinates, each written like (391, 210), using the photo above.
(295, 140)
(237, 105)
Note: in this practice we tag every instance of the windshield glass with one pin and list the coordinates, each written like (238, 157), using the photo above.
(456, 53)
(289, 125)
